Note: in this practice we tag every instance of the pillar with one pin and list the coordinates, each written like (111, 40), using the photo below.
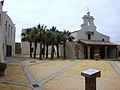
(106, 52)
(90, 83)
(117, 52)
(90, 78)
(88, 49)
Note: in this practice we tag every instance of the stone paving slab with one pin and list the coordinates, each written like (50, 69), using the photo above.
(11, 86)
(116, 67)
(31, 78)
(118, 63)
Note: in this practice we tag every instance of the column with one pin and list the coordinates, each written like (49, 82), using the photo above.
(117, 52)
(106, 52)
(88, 49)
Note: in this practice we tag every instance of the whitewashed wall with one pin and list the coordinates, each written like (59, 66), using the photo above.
(7, 34)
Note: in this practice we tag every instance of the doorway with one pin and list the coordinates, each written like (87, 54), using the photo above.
(9, 51)
(102, 52)
(92, 52)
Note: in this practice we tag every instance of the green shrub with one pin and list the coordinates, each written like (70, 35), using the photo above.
(3, 66)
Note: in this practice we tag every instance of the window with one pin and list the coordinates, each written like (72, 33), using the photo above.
(88, 23)
(103, 39)
(9, 31)
(14, 34)
(89, 36)
(0, 19)
(5, 40)
(6, 26)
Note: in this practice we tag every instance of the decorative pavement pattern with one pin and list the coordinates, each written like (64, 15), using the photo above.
(33, 82)
(116, 67)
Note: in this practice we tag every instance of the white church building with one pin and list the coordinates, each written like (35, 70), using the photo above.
(88, 41)
(7, 35)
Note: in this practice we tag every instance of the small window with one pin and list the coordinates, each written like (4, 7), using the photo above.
(5, 40)
(0, 19)
(89, 36)
(11, 30)
(6, 26)
(103, 39)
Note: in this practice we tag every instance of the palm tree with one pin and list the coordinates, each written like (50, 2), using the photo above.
(41, 31)
(47, 38)
(52, 37)
(58, 41)
(35, 40)
(28, 36)
(66, 36)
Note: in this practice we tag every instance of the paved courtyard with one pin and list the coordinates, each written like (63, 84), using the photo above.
(31, 74)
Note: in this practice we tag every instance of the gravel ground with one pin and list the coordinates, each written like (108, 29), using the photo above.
(69, 80)
(17, 74)
(118, 63)
(13, 87)
(72, 79)
(43, 70)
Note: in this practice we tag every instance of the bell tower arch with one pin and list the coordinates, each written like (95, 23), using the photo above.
(88, 23)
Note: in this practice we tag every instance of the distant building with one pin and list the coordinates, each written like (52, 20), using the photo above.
(7, 35)
(88, 41)
(17, 48)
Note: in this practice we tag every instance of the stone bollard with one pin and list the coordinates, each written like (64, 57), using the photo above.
(90, 78)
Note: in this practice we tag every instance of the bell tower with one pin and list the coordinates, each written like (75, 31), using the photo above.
(88, 23)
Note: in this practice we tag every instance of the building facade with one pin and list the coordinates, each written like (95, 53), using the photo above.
(7, 35)
(88, 41)
(17, 48)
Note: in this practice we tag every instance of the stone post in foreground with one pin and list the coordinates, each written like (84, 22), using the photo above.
(90, 78)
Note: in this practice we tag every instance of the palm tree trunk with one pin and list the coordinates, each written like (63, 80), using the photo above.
(35, 45)
(57, 45)
(40, 54)
(52, 51)
(30, 49)
(64, 50)
(46, 50)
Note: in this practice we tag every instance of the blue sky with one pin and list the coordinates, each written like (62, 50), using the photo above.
(65, 14)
